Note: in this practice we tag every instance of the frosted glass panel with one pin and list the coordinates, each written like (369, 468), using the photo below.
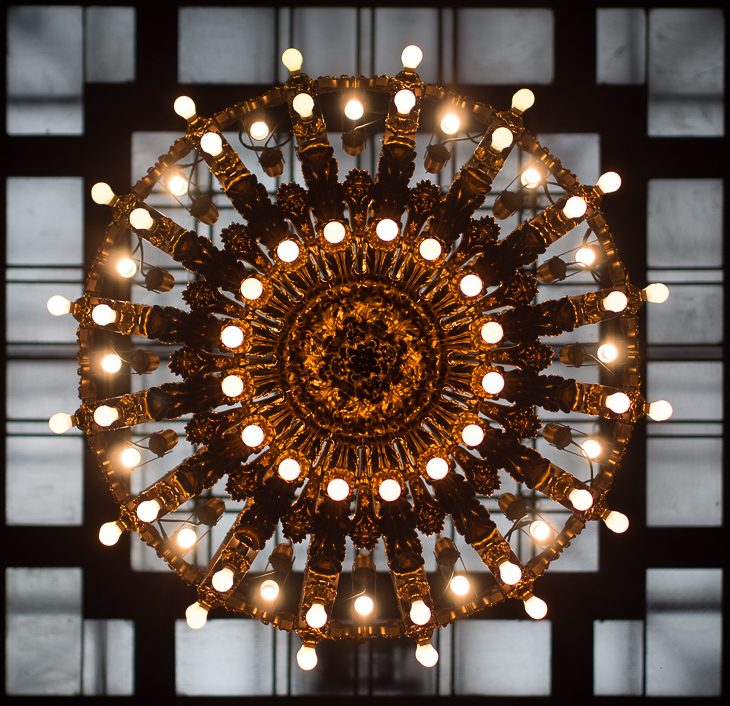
(692, 314)
(618, 656)
(620, 46)
(694, 389)
(28, 318)
(327, 38)
(39, 388)
(581, 151)
(108, 657)
(110, 44)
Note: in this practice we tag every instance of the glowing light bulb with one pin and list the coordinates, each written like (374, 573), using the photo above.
(354, 109)
(232, 337)
(531, 178)
(184, 107)
(389, 490)
(660, 410)
(140, 219)
(252, 435)
(222, 580)
(292, 59)
(251, 288)
(405, 101)
(437, 468)
(196, 616)
(411, 57)
(103, 315)
(574, 207)
(510, 573)
(472, 435)
(126, 267)
(607, 353)
(58, 305)
(540, 531)
(522, 100)
(450, 124)
(178, 185)
(493, 383)
(387, 229)
(259, 130)
(307, 658)
(427, 655)
(105, 416)
(502, 138)
(580, 499)
(102, 193)
(111, 363)
(338, 489)
(334, 232)
(287, 251)
(364, 605)
(585, 256)
(420, 613)
(60, 422)
(430, 249)
(186, 537)
(211, 144)
(618, 402)
(303, 104)
(316, 616)
(615, 301)
(270, 590)
(617, 522)
(130, 457)
(471, 285)
(492, 332)
(289, 469)
(148, 510)
(536, 608)
(460, 585)
(656, 293)
(591, 448)
(232, 386)
(109, 533)
(609, 182)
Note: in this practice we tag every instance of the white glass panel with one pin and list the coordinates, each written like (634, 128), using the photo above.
(694, 389)
(618, 657)
(110, 44)
(579, 152)
(28, 318)
(39, 388)
(327, 39)
(692, 314)
(108, 657)
(620, 46)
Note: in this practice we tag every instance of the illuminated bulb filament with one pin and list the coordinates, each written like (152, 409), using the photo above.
(460, 585)
(111, 363)
(178, 185)
(338, 489)
(186, 537)
(289, 469)
(430, 249)
(270, 590)
(251, 288)
(450, 124)
(585, 256)
(493, 383)
(591, 448)
(540, 531)
(437, 468)
(259, 130)
(387, 229)
(531, 178)
(472, 435)
(364, 605)
(126, 267)
(354, 109)
(131, 458)
(232, 337)
(232, 386)
(471, 285)
(252, 435)
(389, 490)
(287, 250)
(607, 353)
(492, 332)
(334, 232)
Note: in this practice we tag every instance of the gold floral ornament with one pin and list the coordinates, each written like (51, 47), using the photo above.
(362, 359)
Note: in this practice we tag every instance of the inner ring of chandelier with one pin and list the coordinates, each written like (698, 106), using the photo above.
(363, 360)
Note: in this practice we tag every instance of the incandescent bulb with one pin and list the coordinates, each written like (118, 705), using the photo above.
(609, 182)
(307, 658)
(126, 267)
(411, 57)
(575, 207)
(471, 285)
(223, 579)
(292, 59)
(178, 185)
(186, 537)
(130, 458)
(364, 605)
(492, 332)
(660, 410)
(389, 490)
(111, 363)
(460, 585)
(387, 229)
(354, 109)
(656, 293)
(196, 616)
(437, 468)
(430, 249)
(540, 531)
(232, 386)
(493, 383)
(591, 448)
(615, 301)
(140, 219)
(252, 435)
(334, 232)
(287, 251)
(58, 305)
(523, 99)
(585, 256)
(102, 315)
(502, 138)
(510, 573)
(60, 422)
(303, 104)
(536, 607)
(259, 130)
(616, 521)
(427, 655)
(618, 402)
(105, 416)
(148, 510)
(232, 336)
(450, 124)
(531, 178)
(109, 533)
(289, 469)
(472, 435)
(102, 193)
(607, 353)
(270, 590)
(316, 616)
(420, 613)
(338, 489)
(211, 144)
(251, 288)
(580, 499)
(184, 107)
(404, 101)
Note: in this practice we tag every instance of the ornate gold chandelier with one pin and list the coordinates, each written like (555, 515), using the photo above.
(362, 359)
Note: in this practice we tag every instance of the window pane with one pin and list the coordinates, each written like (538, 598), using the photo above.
(581, 151)
(109, 657)
(692, 314)
(618, 657)
(28, 318)
(327, 39)
(694, 389)
(620, 45)
(110, 44)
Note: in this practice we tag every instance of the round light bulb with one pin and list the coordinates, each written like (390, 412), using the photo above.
(420, 613)
(523, 99)
(186, 537)
(126, 267)
(111, 363)
(232, 386)
(617, 522)
(184, 107)
(656, 293)
(140, 219)
(591, 448)
(223, 579)
(289, 469)
(148, 510)
(389, 490)
(471, 285)
(292, 59)
(232, 337)
(303, 104)
(660, 410)
(580, 499)
(575, 207)
(102, 193)
(364, 605)
(130, 457)
(60, 422)
(103, 315)
(430, 249)
(536, 607)
(178, 185)
(460, 585)
(450, 124)
(334, 232)
(492, 332)
(338, 489)
(472, 435)
(427, 655)
(259, 130)
(196, 616)
(307, 658)
(387, 229)
(607, 353)
(252, 435)
(609, 182)
(404, 101)
(316, 616)
(354, 109)
(109, 533)
(585, 256)
(269, 590)
(540, 531)
(105, 416)
(616, 302)
(251, 288)
(211, 144)
(493, 383)
(618, 402)
(58, 305)
(411, 57)
(287, 251)
(510, 573)
(502, 138)
(437, 468)
(531, 178)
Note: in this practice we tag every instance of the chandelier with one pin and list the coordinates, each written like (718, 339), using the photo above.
(362, 358)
